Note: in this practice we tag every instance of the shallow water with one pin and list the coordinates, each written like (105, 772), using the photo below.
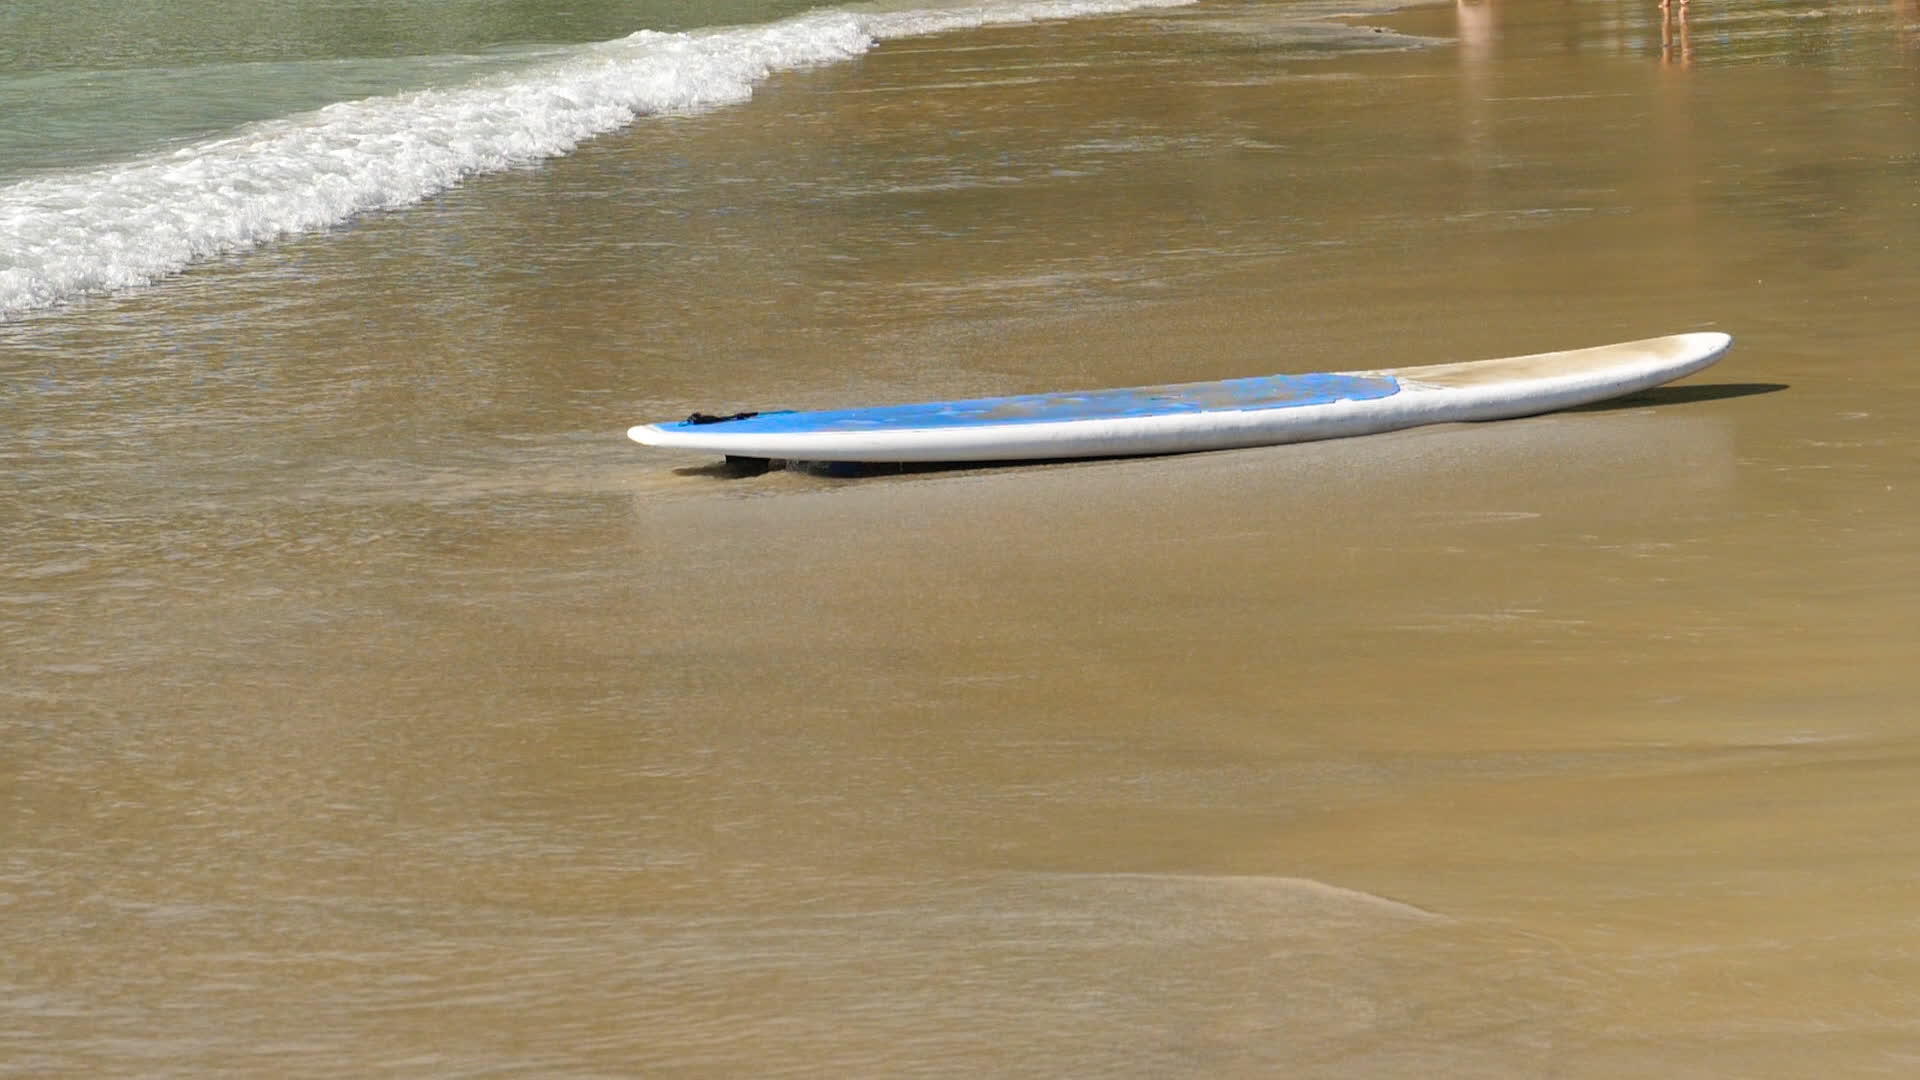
(86, 82)
(372, 707)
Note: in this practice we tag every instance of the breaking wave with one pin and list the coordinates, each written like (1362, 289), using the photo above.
(120, 226)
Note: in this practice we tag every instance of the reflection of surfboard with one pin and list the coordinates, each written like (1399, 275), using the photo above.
(1198, 416)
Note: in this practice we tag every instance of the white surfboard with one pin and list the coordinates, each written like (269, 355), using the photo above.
(1258, 411)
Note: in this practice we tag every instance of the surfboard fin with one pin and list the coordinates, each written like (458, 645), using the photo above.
(747, 466)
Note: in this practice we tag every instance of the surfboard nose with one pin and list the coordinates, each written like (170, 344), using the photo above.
(1706, 345)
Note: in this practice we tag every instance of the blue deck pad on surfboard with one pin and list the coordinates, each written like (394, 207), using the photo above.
(1258, 392)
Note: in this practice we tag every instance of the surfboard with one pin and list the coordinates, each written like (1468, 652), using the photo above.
(1184, 417)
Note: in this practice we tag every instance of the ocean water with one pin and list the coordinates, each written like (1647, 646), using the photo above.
(370, 706)
(97, 82)
(256, 141)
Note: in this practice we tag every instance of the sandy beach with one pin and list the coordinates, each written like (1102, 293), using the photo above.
(372, 707)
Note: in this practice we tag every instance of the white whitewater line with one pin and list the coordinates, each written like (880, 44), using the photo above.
(119, 227)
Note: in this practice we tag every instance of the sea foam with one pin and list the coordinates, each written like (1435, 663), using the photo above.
(117, 227)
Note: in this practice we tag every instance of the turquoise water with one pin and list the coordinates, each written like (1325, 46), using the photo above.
(141, 139)
(119, 35)
(86, 82)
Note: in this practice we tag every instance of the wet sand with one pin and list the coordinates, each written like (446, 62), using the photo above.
(372, 708)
